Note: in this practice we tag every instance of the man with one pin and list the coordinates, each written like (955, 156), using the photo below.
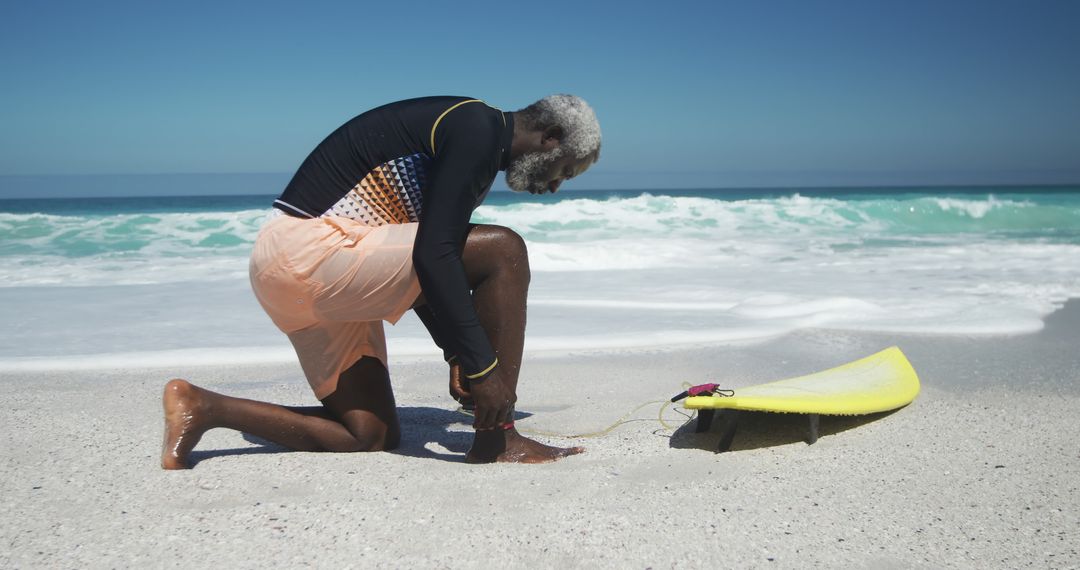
(375, 222)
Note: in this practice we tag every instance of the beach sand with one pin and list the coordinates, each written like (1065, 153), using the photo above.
(982, 470)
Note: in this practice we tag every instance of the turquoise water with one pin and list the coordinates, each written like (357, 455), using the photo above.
(209, 225)
(610, 269)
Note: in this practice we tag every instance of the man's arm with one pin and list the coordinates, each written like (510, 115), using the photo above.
(466, 160)
(464, 164)
(459, 386)
(437, 258)
(435, 330)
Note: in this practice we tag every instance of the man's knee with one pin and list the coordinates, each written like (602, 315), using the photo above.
(364, 404)
(382, 438)
(510, 249)
(371, 434)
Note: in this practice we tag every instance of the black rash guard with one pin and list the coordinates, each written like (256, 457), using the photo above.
(430, 160)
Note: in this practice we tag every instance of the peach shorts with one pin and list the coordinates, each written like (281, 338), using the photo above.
(328, 283)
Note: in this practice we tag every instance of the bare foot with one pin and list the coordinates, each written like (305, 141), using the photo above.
(184, 423)
(509, 446)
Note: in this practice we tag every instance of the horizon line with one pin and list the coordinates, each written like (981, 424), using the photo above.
(763, 189)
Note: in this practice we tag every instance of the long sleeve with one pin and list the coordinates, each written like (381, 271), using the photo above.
(435, 330)
(466, 160)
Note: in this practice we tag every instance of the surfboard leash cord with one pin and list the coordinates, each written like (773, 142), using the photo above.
(698, 390)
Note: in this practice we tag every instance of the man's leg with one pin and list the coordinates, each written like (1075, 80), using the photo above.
(497, 265)
(359, 415)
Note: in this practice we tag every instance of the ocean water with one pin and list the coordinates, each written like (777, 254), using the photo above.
(131, 281)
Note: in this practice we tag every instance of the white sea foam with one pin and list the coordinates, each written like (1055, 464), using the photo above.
(183, 357)
(647, 271)
(976, 208)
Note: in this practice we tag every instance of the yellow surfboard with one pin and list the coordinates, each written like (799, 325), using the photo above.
(878, 383)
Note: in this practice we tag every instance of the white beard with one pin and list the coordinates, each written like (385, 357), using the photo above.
(526, 172)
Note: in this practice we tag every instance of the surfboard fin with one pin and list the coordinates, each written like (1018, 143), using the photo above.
(727, 433)
(815, 421)
(731, 425)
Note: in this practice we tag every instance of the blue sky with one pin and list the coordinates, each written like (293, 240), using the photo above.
(689, 94)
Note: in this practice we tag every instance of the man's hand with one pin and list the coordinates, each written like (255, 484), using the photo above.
(494, 401)
(459, 387)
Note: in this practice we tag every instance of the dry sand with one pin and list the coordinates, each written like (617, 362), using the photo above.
(982, 470)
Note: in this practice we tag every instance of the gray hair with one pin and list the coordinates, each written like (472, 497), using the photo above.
(581, 130)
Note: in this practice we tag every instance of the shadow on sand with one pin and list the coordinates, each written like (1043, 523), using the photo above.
(757, 430)
(424, 431)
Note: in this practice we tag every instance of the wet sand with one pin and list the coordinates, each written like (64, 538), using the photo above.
(982, 470)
